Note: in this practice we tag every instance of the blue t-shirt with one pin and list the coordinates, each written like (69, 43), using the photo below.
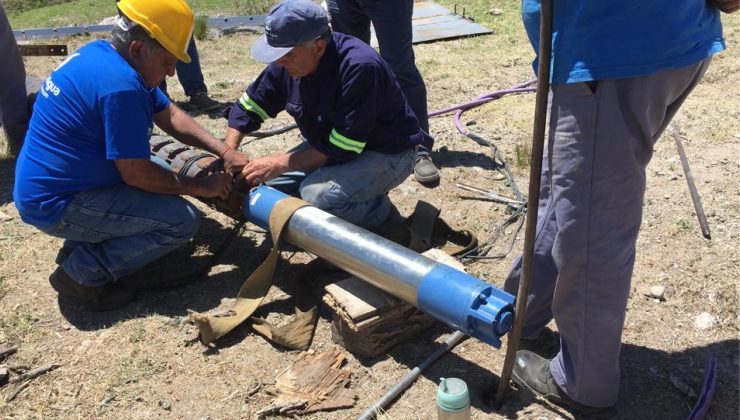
(602, 39)
(93, 109)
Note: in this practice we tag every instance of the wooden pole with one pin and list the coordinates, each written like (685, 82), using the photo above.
(535, 173)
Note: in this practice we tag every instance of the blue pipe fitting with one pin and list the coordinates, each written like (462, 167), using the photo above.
(452, 296)
(258, 205)
(467, 303)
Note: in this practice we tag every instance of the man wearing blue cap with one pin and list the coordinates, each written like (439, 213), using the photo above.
(359, 131)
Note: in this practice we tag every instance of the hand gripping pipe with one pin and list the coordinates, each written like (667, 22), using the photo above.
(458, 299)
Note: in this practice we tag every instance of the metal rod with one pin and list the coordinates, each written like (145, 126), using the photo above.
(538, 142)
(410, 377)
(692, 186)
(490, 195)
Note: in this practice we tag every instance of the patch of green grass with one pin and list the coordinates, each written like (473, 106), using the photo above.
(18, 325)
(132, 369)
(17, 6)
(87, 12)
(137, 334)
(523, 154)
(201, 27)
(683, 225)
(253, 7)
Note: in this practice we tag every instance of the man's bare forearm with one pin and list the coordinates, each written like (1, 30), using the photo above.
(233, 138)
(184, 128)
(148, 176)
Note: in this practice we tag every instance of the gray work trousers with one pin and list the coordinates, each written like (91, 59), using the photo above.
(593, 184)
(13, 99)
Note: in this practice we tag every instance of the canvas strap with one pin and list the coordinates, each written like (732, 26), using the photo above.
(298, 332)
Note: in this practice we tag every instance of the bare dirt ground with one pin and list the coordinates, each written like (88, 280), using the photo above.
(141, 362)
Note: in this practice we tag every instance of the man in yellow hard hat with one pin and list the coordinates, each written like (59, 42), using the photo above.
(84, 172)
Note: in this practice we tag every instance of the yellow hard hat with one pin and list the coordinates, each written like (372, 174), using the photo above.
(170, 22)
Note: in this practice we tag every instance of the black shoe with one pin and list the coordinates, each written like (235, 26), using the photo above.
(424, 170)
(203, 102)
(532, 373)
(96, 299)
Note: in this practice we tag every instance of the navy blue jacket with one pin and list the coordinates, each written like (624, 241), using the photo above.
(352, 103)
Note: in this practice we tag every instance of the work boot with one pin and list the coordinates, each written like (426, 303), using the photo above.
(424, 170)
(96, 299)
(203, 102)
(532, 373)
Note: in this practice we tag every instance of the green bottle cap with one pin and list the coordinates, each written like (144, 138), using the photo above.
(453, 395)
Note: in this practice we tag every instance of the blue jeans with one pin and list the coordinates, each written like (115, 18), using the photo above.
(114, 231)
(356, 191)
(189, 74)
(392, 22)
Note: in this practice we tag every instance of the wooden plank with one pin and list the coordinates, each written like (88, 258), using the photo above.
(359, 301)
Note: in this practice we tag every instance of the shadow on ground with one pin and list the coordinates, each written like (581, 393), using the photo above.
(200, 292)
(646, 391)
(7, 177)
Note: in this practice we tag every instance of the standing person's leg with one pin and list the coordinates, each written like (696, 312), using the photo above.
(192, 81)
(357, 191)
(13, 97)
(190, 74)
(601, 147)
(115, 231)
(393, 28)
(591, 305)
(350, 17)
(545, 273)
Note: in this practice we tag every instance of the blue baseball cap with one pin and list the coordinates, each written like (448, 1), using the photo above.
(288, 24)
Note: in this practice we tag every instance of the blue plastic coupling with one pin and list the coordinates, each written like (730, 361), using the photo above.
(258, 205)
(467, 303)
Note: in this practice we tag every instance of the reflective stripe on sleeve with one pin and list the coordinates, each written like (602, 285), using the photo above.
(346, 143)
(248, 104)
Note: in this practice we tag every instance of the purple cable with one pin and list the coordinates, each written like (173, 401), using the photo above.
(486, 98)
(707, 390)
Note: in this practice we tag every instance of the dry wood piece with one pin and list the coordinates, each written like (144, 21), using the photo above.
(315, 382)
(35, 373)
(285, 408)
(4, 353)
(17, 391)
(368, 321)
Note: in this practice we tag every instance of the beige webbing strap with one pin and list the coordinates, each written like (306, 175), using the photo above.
(428, 230)
(254, 290)
(421, 226)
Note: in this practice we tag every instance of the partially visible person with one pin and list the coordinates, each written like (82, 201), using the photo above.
(393, 29)
(84, 172)
(14, 109)
(359, 131)
(621, 71)
(191, 78)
